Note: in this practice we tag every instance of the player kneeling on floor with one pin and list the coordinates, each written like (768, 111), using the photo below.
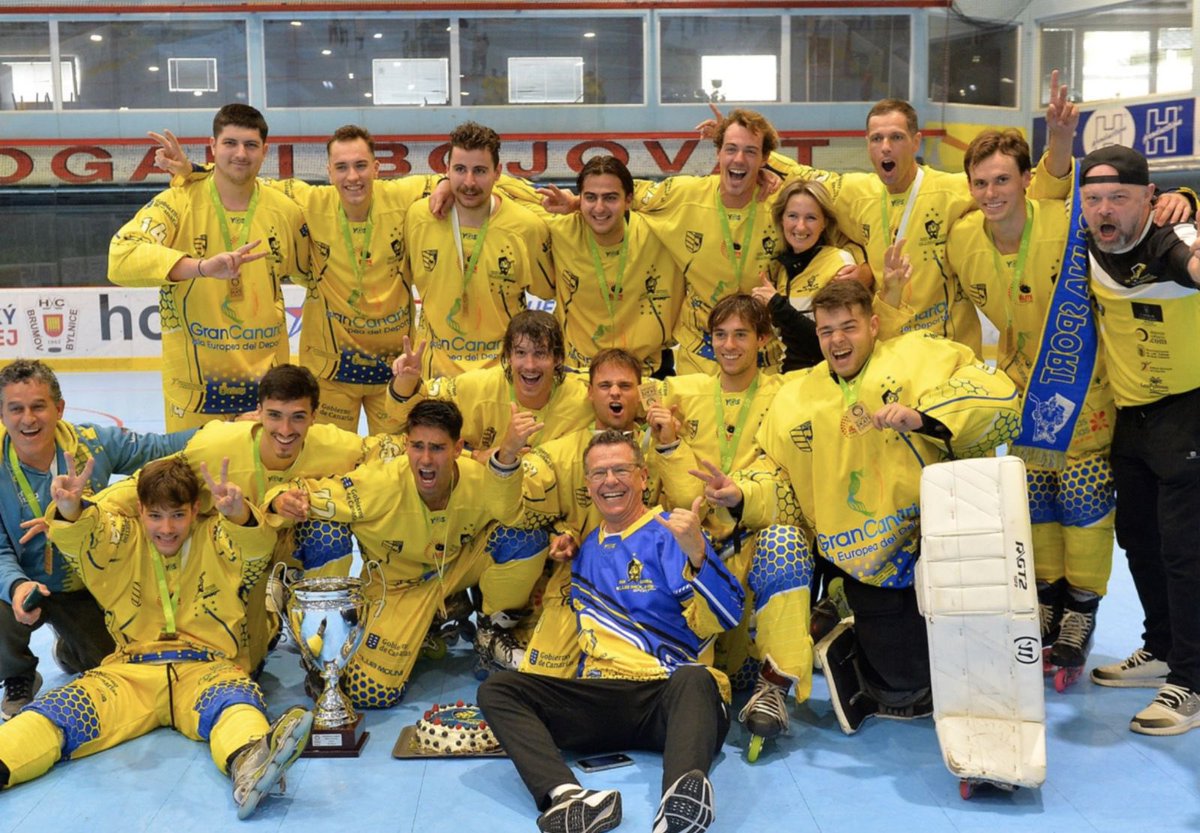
(175, 641)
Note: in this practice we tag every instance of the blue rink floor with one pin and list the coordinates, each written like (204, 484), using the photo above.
(890, 776)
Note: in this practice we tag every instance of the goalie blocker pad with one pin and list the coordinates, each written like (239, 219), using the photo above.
(977, 591)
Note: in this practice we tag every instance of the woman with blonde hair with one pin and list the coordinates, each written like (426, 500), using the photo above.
(810, 258)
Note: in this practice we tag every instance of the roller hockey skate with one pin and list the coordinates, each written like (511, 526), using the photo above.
(1050, 613)
(1074, 643)
(496, 645)
(449, 626)
(765, 714)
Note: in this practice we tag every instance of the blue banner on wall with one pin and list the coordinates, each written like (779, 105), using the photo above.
(1156, 129)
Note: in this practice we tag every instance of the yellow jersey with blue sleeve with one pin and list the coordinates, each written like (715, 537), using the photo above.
(411, 542)
(857, 486)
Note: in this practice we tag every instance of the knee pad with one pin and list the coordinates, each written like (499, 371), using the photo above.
(220, 696)
(1085, 492)
(506, 544)
(71, 709)
(782, 562)
(319, 542)
(365, 692)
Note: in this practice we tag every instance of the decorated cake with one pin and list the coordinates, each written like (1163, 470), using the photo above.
(455, 729)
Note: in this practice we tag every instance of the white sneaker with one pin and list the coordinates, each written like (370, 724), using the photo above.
(582, 811)
(1140, 670)
(1173, 711)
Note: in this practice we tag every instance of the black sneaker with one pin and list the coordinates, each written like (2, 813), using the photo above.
(687, 805)
(19, 693)
(582, 811)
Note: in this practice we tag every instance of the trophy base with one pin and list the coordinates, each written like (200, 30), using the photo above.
(338, 741)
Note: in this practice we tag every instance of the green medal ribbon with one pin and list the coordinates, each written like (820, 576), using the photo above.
(359, 260)
(727, 441)
(850, 389)
(30, 496)
(219, 207)
(1019, 269)
(610, 293)
(468, 269)
(170, 601)
(738, 262)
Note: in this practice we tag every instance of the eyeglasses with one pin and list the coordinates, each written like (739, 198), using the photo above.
(622, 473)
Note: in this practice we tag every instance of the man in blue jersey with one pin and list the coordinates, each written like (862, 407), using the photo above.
(36, 442)
(650, 596)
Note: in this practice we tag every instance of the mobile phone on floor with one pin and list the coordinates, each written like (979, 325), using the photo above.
(602, 762)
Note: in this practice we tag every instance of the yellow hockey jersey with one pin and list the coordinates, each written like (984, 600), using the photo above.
(858, 487)
(485, 397)
(394, 526)
(637, 305)
(359, 305)
(686, 214)
(217, 340)
(208, 581)
(1018, 310)
(465, 325)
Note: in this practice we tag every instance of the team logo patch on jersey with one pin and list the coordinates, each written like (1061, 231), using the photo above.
(802, 436)
(891, 396)
(933, 228)
(489, 437)
(583, 498)
(634, 583)
(768, 244)
(979, 293)
(397, 247)
(200, 245)
(692, 240)
(504, 265)
(429, 259)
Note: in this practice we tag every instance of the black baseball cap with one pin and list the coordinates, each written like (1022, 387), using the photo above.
(1130, 165)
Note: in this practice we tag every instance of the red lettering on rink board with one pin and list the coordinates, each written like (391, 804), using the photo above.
(438, 157)
(101, 171)
(540, 158)
(393, 158)
(145, 167)
(575, 160)
(665, 163)
(287, 165)
(24, 164)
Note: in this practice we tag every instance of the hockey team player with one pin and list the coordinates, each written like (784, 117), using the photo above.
(171, 583)
(36, 442)
(847, 442)
(219, 248)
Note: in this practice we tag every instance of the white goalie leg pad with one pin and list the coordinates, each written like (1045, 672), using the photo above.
(976, 589)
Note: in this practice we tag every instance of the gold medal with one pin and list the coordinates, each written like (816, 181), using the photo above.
(648, 391)
(856, 421)
(236, 290)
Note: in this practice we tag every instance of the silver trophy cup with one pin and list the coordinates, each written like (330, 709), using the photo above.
(328, 618)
